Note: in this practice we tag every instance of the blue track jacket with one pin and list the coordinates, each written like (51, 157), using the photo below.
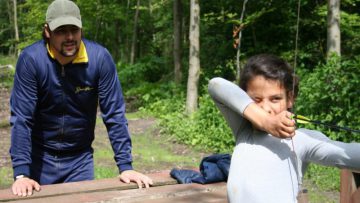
(53, 107)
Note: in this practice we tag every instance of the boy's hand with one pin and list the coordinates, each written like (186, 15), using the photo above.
(24, 187)
(281, 125)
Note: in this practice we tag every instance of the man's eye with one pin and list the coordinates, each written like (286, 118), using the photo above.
(74, 30)
(60, 31)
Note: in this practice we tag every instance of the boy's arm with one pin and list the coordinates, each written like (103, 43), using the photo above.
(231, 102)
(280, 125)
(231, 96)
(322, 150)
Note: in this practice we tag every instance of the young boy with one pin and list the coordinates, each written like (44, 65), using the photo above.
(271, 155)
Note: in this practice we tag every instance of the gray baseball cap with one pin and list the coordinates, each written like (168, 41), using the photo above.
(63, 12)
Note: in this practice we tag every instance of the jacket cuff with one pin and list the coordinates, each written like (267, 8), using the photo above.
(125, 167)
(22, 170)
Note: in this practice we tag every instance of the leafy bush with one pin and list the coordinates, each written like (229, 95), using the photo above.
(7, 71)
(330, 94)
(205, 129)
(145, 94)
(149, 69)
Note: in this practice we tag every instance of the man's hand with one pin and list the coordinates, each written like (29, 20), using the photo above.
(281, 125)
(24, 187)
(134, 176)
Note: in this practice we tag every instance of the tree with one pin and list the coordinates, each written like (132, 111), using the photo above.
(333, 27)
(134, 39)
(177, 8)
(194, 58)
(16, 29)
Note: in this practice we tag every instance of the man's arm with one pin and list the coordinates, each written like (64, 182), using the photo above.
(112, 107)
(23, 103)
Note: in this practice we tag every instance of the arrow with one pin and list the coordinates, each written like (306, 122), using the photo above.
(305, 120)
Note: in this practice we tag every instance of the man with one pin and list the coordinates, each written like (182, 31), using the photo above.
(58, 84)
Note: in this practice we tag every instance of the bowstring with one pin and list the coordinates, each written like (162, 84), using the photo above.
(293, 97)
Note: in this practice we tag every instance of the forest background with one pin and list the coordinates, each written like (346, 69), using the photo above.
(167, 50)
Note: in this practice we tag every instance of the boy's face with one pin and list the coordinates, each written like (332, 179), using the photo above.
(269, 95)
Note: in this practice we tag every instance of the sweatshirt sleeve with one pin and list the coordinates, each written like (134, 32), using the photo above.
(322, 150)
(231, 101)
(22, 104)
(113, 113)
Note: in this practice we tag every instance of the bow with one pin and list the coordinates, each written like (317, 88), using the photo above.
(305, 120)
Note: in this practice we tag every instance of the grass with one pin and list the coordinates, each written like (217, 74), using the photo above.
(150, 153)
(5, 60)
(135, 115)
(6, 177)
(6, 74)
(155, 154)
(4, 123)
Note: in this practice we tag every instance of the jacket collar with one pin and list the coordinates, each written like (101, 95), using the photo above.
(81, 56)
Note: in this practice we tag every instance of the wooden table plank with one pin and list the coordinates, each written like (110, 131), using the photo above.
(165, 189)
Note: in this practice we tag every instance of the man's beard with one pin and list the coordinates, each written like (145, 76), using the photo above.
(73, 52)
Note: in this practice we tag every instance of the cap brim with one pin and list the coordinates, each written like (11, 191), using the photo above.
(68, 20)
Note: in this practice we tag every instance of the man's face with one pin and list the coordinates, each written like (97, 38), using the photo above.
(65, 40)
(270, 95)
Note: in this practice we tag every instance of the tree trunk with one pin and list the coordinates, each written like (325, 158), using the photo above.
(238, 64)
(194, 60)
(117, 40)
(10, 15)
(16, 28)
(177, 9)
(126, 33)
(134, 39)
(333, 28)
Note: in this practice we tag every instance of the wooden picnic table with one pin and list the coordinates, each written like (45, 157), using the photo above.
(349, 192)
(165, 189)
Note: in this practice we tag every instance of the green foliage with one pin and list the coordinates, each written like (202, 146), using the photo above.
(330, 93)
(150, 69)
(326, 178)
(350, 31)
(155, 152)
(205, 129)
(101, 172)
(31, 21)
(6, 177)
(5, 30)
(149, 93)
(7, 73)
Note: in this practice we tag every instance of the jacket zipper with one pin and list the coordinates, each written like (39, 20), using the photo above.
(63, 96)
(62, 71)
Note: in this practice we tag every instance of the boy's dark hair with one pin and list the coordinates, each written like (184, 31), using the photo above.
(270, 67)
